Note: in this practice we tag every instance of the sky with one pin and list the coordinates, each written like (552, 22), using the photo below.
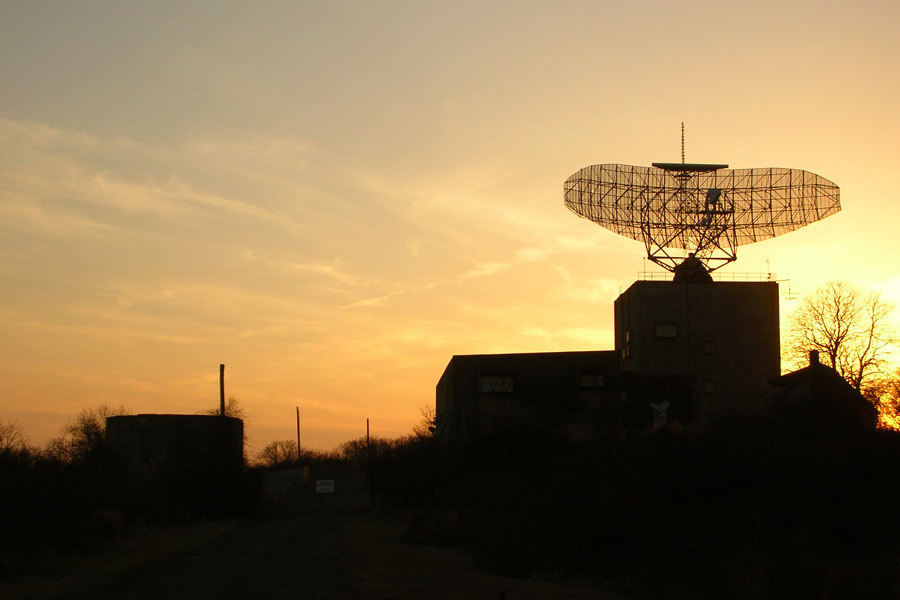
(334, 198)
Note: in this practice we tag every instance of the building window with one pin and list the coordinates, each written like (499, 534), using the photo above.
(495, 384)
(666, 330)
(590, 380)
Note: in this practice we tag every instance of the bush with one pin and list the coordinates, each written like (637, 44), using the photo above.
(745, 511)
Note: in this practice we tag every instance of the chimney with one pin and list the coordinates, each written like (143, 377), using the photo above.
(813, 357)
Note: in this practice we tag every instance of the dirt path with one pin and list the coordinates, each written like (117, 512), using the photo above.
(291, 556)
(387, 567)
(302, 554)
(288, 555)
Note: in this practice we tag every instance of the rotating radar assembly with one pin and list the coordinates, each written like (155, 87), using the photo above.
(692, 217)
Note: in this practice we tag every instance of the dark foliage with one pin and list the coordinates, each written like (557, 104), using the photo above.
(755, 509)
(743, 510)
(53, 502)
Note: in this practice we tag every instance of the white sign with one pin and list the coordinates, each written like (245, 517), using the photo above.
(324, 486)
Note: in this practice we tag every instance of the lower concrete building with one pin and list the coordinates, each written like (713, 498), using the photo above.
(816, 397)
(684, 351)
(575, 393)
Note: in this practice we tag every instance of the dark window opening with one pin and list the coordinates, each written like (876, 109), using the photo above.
(495, 384)
(590, 380)
(666, 330)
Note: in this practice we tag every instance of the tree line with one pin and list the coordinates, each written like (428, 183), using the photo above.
(74, 491)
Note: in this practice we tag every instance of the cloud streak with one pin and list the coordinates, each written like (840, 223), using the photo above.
(57, 170)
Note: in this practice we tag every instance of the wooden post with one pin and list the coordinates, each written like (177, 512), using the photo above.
(222, 390)
(369, 468)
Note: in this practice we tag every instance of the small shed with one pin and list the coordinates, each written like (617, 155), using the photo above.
(818, 396)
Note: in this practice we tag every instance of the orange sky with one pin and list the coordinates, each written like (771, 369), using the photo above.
(334, 198)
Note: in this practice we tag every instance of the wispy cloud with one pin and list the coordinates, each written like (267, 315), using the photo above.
(547, 252)
(23, 216)
(572, 337)
(59, 170)
(266, 159)
(486, 210)
(332, 275)
(486, 269)
(375, 301)
(330, 271)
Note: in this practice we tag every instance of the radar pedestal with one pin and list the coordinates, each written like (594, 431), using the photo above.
(692, 270)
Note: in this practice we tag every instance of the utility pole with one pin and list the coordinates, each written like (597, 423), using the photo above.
(222, 390)
(371, 471)
(298, 436)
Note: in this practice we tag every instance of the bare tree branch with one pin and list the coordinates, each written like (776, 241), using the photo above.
(12, 437)
(850, 330)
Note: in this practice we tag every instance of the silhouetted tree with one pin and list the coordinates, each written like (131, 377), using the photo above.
(425, 428)
(850, 330)
(278, 454)
(83, 439)
(12, 438)
(884, 394)
(233, 408)
(360, 451)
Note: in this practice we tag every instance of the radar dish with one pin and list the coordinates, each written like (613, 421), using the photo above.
(685, 213)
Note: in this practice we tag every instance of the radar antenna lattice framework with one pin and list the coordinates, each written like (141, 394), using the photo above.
(692, 217)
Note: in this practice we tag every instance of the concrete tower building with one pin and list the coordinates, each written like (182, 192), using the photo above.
(723, 335)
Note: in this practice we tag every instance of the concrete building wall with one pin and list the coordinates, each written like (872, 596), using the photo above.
(577, 393)
(479, 394)
(724, 335)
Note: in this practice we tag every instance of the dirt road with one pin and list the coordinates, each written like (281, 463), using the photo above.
(288, 556)
(307, 554)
